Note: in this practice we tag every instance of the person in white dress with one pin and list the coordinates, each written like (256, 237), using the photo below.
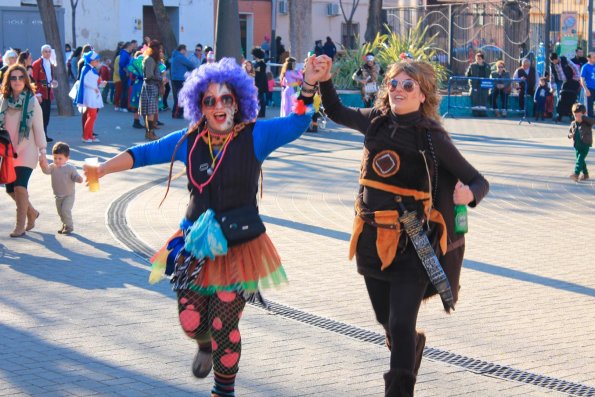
(88, 99)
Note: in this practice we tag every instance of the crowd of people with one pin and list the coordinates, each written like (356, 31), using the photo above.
(566, 82)
(411, 174)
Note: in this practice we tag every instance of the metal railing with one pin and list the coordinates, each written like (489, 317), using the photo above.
(485, 83)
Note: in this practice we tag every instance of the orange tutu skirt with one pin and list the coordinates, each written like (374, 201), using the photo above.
(249, 266)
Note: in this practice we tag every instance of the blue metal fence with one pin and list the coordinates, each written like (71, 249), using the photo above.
(465, 102)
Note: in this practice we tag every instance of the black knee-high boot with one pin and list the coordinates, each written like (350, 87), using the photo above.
(399, 383)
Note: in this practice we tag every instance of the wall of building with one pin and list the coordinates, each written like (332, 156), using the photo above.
(261, 12)
(22, 28)
(324, 25)
(104, 23)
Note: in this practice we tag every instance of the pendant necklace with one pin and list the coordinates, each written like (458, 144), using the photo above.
(214, 156)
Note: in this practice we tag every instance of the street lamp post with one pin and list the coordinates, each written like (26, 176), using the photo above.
(227, 42)
(273, 55)
(590, 45)
(546, 39)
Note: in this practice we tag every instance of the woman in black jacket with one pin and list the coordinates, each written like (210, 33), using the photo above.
(410, 162)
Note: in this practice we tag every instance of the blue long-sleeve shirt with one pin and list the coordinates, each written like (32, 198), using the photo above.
(124, 61)
(268, 135)
(180, 65)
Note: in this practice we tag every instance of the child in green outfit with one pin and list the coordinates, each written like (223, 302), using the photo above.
(582, 134)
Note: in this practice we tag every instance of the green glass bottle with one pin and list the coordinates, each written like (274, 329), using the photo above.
(461, 225)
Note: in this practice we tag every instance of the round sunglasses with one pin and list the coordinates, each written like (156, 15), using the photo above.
(15, 78)
(227, 100)
(408, 85)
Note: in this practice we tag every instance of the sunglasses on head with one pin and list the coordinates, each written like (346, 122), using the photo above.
(408, 85)
(15, 78)
(227, 100)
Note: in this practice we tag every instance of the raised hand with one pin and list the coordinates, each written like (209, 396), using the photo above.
(325, 63)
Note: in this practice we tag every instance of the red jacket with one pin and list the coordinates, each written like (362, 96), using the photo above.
(41, 79)
(105, 72)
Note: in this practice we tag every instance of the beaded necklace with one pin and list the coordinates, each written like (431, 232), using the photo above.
(220, 154)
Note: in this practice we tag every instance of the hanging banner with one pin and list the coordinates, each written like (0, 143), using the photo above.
(569, 33)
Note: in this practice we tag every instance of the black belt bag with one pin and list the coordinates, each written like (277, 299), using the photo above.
(241, 225)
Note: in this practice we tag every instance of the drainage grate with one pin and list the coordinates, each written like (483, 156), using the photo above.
(117, 224)
(116, 221)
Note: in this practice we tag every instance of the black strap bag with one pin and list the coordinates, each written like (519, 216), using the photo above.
(241, 225)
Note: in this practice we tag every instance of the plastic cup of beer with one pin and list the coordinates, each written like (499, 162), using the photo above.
(92, 164)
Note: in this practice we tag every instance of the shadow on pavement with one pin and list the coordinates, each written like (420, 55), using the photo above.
(528, 277)
(43, 367)
(111, 267)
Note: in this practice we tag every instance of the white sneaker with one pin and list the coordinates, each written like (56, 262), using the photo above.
(95, 140)
(123, 110)
(117, 109)
(88, 140)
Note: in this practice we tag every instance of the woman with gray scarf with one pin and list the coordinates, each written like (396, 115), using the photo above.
(21, 116)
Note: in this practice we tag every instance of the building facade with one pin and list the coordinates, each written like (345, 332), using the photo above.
(104, 23)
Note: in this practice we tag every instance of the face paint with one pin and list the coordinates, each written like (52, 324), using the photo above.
(219, 106)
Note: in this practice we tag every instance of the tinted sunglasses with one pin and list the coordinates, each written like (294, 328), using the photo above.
(15, 78)
(408, 85)
(227, 100)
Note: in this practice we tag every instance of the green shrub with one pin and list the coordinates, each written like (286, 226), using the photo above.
(388, 49)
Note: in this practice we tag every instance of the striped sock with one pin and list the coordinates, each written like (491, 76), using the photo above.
(224, 385)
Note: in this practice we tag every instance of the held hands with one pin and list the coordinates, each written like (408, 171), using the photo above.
(317, 68)
(462, 194)
(325, 64)
(43, 161)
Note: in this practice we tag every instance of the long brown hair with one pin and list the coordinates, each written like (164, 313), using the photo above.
(425, 76)
(6, 89)
(289, 64)
(154, 50)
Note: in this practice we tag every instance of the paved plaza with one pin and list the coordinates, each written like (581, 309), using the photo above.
(78, 317)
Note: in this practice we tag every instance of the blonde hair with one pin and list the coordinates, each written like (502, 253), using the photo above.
(499, 63)
(425, 76)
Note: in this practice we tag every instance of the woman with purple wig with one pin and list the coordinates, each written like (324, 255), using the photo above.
(221, 256)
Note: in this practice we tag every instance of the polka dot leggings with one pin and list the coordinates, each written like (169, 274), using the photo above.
(215, 318)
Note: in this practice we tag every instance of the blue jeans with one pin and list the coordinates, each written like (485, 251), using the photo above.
(590, 101)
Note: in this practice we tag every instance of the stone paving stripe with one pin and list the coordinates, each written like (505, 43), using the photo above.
(117, 224)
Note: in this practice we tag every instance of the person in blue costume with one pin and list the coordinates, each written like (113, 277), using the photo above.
(135, 68)
(223, 150)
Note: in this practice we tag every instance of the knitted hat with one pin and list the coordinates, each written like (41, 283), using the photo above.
(90, 56)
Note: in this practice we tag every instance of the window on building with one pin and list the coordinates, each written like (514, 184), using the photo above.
(349, 42)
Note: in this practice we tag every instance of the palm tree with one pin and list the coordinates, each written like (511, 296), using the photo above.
(388, 49)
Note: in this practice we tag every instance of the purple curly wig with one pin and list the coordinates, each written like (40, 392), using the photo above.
(226, 71)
